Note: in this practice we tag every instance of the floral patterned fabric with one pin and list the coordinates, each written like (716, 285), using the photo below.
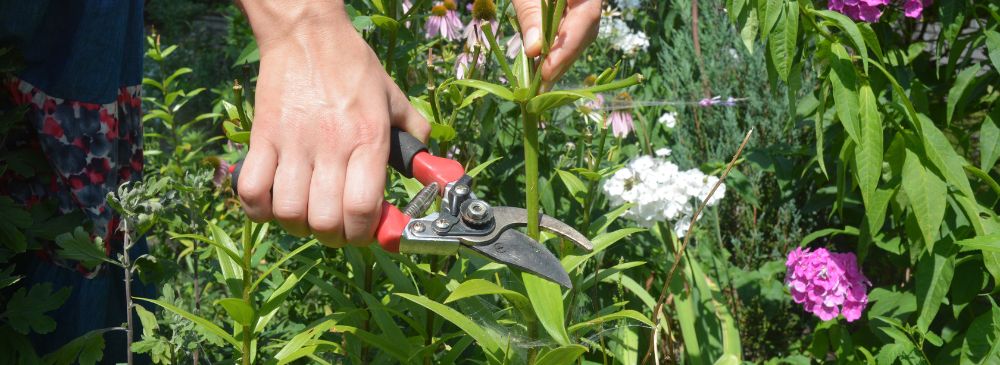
(90, 148)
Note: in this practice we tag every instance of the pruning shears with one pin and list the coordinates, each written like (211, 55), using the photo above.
(463, 220)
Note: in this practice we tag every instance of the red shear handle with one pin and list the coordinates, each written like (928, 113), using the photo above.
(390, 228)
(428, 168)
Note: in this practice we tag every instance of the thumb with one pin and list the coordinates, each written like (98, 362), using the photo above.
(529, 15)
(404, 116)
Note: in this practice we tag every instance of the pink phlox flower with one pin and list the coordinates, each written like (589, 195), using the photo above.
(864, 10)
(915, 8)
(827, 283)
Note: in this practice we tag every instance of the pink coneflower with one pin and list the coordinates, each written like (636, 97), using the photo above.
(463, 61)
(483, 12)
(621, 117)
(915, 8)
(444, 21)
(514, 45)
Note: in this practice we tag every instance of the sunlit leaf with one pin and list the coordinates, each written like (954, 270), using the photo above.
(238, 310)
(547, 301)
(555, 99)
(200, 321)
(483, 338)
(561, 355)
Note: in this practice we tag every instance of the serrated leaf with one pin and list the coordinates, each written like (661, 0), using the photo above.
(198, 320)
(960, 89)
(84, 350)
(989, 140)
(933, 278)
(844, 80)
(783, 39)
(868, 153)
(26, 309)
(78, 246)
(926, 193)
(982, 339)
(852, 30)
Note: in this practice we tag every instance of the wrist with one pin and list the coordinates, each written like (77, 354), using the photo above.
(277, 24)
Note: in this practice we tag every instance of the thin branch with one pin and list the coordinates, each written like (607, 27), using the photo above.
(687, 238)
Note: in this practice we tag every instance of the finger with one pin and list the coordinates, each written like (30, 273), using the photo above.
(363, 188)
(326, 191)
(291, 192)
(577, 31)
(404, 116)
(256, 179)
(529, 16)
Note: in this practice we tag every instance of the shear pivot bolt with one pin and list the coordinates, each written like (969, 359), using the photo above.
(477, 212)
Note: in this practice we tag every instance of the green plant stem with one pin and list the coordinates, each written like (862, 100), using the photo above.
(589, 201)
(126, 242)
(247, 284)
(530, 136)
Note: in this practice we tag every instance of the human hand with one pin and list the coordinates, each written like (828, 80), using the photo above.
(320, 138)
(576, 31)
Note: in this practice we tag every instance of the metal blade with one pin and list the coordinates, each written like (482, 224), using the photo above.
(518, 250)
(507, 217)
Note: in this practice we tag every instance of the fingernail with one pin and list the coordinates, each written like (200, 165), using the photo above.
(532, 39)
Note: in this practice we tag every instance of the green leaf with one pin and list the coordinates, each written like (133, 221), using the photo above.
(993, 44)
(848, 230)
(80, 247)
(289, 352)
(561, 355)
(577, 189)
(601, 242)
(235, 135)
(555, 99)
(494, 89)
(989, 140)
(476, 170)
(476, 287)
(148, 321)
(26, 309)
(385, 22)
(868, 152)
(933, 278)
(442, 132)
(773, 11)
(844, 80)
(960, 89)
(200, 321)
(84, 350)
(229, 260)
(989, 242)
(249, 54)
(982, 339)
(483, 338)
(239, 310)
(547, 301)
(926, 193)
(278, 296)
(783, 39)
(749, 30)
(471, 98)
(853, 33)
(623, 314)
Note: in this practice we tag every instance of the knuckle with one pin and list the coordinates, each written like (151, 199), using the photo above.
(360, 209)
(326, 225)
(289, 211)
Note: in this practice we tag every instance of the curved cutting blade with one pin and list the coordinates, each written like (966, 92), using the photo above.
(518, 250)
(508, 217)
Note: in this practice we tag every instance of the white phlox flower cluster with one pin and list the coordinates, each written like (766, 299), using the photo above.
(668, 119)
(660, 191)
(617, 32)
